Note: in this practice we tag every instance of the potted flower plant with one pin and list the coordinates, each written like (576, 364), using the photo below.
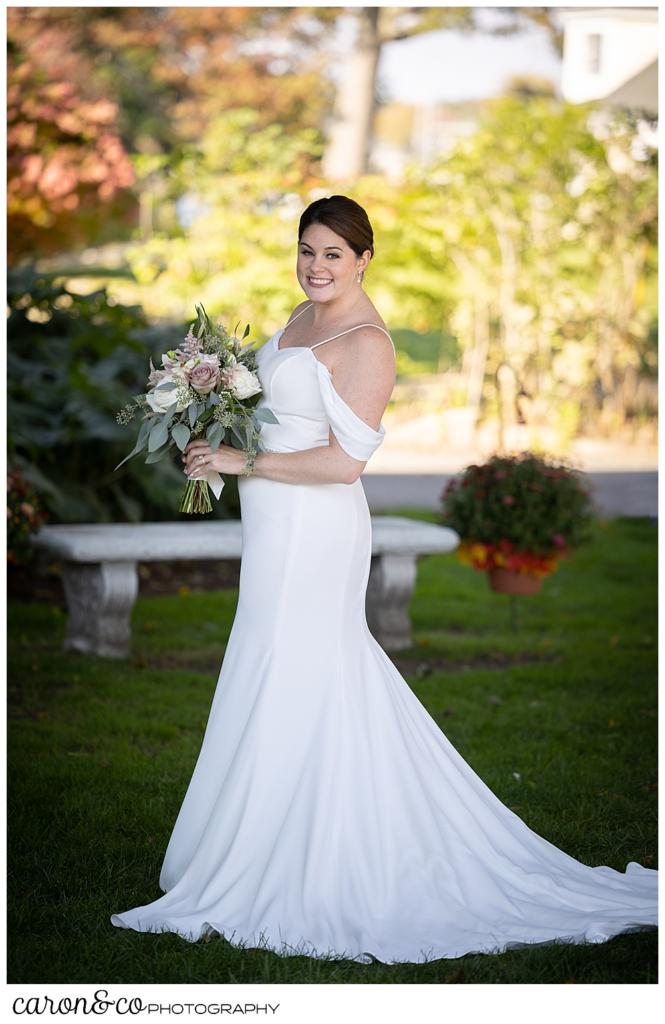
(516, 516)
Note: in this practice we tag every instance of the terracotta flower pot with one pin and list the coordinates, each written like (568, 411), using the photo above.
(510, 581)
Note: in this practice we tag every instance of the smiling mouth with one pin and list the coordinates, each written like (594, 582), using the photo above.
(319, 282)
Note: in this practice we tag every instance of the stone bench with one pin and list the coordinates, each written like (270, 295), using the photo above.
(100, 572)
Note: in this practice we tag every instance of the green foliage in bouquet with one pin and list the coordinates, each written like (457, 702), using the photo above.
(521, 511)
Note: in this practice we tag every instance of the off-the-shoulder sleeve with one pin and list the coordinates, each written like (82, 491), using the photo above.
(356, 437)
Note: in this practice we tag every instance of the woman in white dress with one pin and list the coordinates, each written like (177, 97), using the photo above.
(327, 813)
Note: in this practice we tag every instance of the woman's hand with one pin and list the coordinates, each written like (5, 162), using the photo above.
(200, 459)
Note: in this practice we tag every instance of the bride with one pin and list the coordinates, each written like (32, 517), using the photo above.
(327, 813)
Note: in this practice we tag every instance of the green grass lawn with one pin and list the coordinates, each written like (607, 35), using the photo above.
(558, 718)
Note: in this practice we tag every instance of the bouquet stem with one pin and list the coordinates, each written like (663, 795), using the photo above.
(196, 499)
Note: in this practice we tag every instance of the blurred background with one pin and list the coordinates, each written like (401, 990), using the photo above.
(161, 156)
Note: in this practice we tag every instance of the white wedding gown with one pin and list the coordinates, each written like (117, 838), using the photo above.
(327, 813)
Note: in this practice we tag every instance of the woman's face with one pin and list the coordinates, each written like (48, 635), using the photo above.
(327, 265)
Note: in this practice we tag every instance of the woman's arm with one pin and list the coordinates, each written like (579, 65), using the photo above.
(326, 464)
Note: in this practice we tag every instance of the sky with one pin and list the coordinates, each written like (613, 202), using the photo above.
(451, 66)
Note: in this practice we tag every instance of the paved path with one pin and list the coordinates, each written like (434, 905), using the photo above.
(627, 494)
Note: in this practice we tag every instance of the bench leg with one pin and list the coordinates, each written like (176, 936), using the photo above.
(100, 598)
(392, 579)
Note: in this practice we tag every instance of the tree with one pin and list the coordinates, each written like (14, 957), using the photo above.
(551, 212)
(67, 168)
(90, 89)
(349, 138)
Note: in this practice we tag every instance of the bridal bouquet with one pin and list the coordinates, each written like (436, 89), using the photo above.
(206, 387)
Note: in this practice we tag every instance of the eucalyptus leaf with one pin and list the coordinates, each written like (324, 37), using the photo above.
(135, 450)
(158, 436)
(238, 436)
(167, 385)
(140, 442)
(192, 412)
(144, 430)
(265, 415)
(246, 332)
(156, 455)
(213, 398)
(214, 435)
(181, 435)
(169, 414)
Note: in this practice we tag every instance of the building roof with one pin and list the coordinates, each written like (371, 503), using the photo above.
(640, 91)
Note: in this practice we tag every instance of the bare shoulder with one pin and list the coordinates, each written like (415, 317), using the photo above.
(374, 351)
(364, 373)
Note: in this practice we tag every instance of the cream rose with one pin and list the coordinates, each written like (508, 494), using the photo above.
(162, 399)
(241, 381)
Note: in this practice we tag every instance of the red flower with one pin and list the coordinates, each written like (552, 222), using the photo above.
(508, 499)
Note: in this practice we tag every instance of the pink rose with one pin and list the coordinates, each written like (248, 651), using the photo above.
(204, 377)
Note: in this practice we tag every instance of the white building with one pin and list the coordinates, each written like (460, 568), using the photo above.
(611, 54)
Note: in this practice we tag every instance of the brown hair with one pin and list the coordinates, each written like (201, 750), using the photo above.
(343, 216)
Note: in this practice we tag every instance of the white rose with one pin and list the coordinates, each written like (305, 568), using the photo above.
(162, 399)
(241, 381)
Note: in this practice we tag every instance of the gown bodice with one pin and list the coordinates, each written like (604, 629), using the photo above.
(298, 388)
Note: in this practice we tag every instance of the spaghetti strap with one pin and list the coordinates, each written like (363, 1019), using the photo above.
(297, 315)
(326, 340)
(312, 347)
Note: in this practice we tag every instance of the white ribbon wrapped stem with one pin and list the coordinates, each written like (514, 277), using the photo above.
(214, 481)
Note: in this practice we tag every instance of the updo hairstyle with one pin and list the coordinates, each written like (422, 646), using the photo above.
(343, 216)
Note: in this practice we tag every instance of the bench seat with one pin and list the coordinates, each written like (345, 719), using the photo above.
(100, 571)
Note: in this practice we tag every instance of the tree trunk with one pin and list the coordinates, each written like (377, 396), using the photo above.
(505, 373)
(481, 340)
(347, 150)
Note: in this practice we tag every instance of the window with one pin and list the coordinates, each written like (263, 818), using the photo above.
(594, 41)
